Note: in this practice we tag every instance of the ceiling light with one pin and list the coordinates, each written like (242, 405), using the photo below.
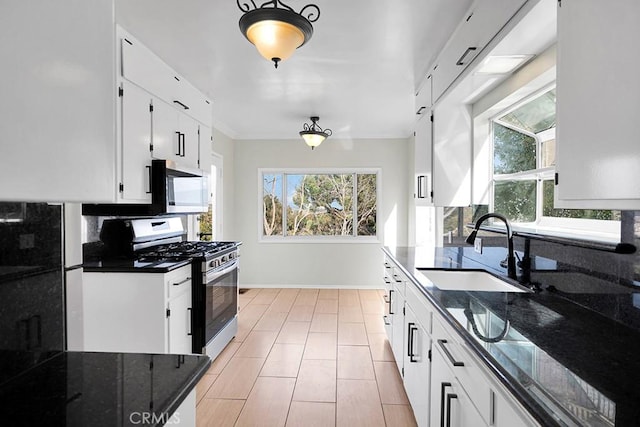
(502, 64)
(277, 31)
(313, 134)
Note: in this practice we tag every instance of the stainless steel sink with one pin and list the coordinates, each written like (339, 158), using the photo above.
(464, 280)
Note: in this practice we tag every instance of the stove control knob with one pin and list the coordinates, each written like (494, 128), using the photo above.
(215, 263)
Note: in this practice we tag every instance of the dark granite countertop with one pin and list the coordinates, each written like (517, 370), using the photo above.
(133, 266)
(564, 356)
(100, 389)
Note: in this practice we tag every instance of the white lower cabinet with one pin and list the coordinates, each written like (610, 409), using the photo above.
(137, 312)
(446, 382)
(417, 365)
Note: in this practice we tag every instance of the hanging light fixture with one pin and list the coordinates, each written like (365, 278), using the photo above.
(313, 134)
(276, 29)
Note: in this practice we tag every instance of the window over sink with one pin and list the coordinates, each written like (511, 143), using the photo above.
(318, 204)
(523, 170)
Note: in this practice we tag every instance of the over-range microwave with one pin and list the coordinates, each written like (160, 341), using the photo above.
(174, 189)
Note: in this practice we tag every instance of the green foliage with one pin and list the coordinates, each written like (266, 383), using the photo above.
(513, 151)
(548, 209)
(206, 221)
(516, 200)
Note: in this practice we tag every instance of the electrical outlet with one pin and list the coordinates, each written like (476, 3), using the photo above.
(477, 245)
(27, 241)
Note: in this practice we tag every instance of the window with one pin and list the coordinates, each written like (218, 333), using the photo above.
(524, 168)
(319, 203)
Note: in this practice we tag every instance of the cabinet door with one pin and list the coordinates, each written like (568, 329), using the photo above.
(143, 67)
(180, 324)
(205, 141)
(397, 343)
(485, 19)
(423, 160)
(452, 154)
(450, 404)
(166, 131)
(190, 149)
(136, 144)
(598, 160)
(417, 366)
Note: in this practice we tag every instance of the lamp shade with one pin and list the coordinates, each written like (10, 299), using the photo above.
(313, 139)
(275, 32)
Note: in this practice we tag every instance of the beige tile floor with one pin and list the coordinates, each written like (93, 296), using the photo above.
(306, 357)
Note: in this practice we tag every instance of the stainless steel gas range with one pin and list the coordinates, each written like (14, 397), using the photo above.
(161, 241)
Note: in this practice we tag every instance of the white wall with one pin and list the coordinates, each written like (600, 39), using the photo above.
(318, 264)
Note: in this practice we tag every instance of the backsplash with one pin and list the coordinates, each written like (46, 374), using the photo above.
(600, 280)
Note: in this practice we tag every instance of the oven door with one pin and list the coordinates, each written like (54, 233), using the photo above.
(221, 298)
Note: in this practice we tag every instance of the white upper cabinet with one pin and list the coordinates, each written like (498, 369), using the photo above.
(423, 158)
(598, 153)
(136, 144)
(58, 103)
(452, 154)
(483, 21)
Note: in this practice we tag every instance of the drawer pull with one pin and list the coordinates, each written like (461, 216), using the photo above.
(186, 107)
(450, 397)
(453, 361)
(412, 329)
(443, 386)
(387, 265)
(386, 280)
(182, 282)
(386, 321)
(395, 276)
(464, 55)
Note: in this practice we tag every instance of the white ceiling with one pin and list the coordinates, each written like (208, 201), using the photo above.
(358, 72)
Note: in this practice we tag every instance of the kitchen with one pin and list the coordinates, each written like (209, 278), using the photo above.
(78, 122)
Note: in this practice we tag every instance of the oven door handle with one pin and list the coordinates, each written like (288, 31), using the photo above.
(219, 273)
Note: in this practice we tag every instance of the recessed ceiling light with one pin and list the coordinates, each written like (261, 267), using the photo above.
(502, 64)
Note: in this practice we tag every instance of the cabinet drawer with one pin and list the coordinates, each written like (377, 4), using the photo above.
(178, 281)
(465, 368)
(420, 306)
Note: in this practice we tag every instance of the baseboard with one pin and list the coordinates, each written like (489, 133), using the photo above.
(292, 286)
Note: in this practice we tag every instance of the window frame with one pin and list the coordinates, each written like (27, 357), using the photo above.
(284, 238)
(579, 228)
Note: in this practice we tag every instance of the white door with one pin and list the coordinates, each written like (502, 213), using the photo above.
(136, 144)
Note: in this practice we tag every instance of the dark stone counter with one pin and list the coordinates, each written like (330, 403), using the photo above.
(563, 356)
(100, 389)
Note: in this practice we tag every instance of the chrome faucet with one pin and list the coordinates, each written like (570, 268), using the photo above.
(511, 259)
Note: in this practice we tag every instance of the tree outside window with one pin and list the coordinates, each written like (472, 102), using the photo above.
(319, 204)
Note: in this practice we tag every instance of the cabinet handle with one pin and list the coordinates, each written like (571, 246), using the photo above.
(189, 332)
(387, 265)
(397, 279)
(450, 397)
(443, 386)
(178, 133)
(420, 110)
(410, 338)
(466, 52)
(388, 282)
(386, 321)
(187, 107)
(453, 361)
(184, 146)
(390, 302)
(149, 171)
(182, 282)
(422, 186)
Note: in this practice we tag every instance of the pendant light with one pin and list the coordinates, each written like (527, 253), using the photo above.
(276, 29)
(313, 134)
